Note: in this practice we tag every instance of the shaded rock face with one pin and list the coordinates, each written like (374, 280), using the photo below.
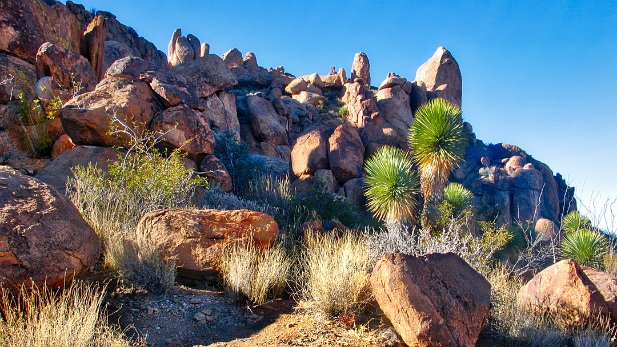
(92, 45)
(309, 153)
(361, 69)
(86, 118)
(195, 239)
(432, 300)
(264, 121)
(183, 127)
(216, 173)
(607, 285)
(20, 77)
(346, 153)
(565, 290)
(26, 24)
(59, 170)
(442, 77)
(206, 74)
(43, 237)
(220, 111)
(68, 68)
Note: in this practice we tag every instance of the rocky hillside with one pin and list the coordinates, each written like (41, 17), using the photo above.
(65, 71)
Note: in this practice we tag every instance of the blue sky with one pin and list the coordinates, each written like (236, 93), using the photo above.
(538, 74)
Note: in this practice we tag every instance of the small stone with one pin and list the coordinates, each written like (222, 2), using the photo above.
(152, 310)
(210, 318)
(199, 316)
(207, 311)
(195, 301)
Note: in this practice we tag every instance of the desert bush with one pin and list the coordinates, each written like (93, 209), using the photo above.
(391, 185)
(253, 273)
(335, 277)
(459, 197)
(72, 317)
(343, 111)
(141, 181)
(586, 247)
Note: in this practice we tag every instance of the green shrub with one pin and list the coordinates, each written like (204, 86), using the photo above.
(586, 247)
(114, 202)
(343, 111)
(459, 197)
(574, 221)
(391, 185)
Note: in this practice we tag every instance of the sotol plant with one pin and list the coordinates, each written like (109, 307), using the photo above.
(391, 185)
(574, 221)
(459, 197)
(437, 139)
(586, 247)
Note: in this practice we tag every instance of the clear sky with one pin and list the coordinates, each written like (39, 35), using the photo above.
(538, 74)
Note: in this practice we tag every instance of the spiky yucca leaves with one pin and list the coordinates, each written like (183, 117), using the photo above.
(458, 196)
(586, 247)
(391, 185)
(437, 139)
(574, 221)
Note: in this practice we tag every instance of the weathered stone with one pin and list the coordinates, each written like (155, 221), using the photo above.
(432, 300)
(62, 144)
(546, 229)
(68, 68)
(92, 45)
(346, 153)
(361, 69)
(354, 192)
(220, 111)
(564, 291)
(130, 67)
(184, 128)
(216, 173)
(606, 283)
(195, 239)
(87, 118)
(310, 98)
(309, 153)
(296, 86)
(43, 237)
(115, 50)
(16, 77)
(232, 58)
(206, 75)
(263, 118)
(442, 77)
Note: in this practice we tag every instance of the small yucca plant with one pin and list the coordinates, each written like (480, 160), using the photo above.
(438, 140)
(458, 196)
(574, 221)
(391, 185)
(586, 247)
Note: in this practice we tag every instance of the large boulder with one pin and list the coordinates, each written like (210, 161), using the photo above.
(442, 77)
(195, 239)
(183, 127)
(361, 68)
(432, 300)
(346, 153)
(172, 88)
(206, 74)
(87, 118)
(16, 77)
(67, 68)
(59, 170)
(115, 50)
(92, 45)
(220, 111)
(563, 290)
(309, 154)
(394, 107)
(216, 173)
(361, 105)
(264, 121)
(26, 24)
(607, 285)
(180, 49)
(43, 237)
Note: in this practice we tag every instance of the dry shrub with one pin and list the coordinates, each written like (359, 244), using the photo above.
(336, 272)
(71, 317)
(253, 273)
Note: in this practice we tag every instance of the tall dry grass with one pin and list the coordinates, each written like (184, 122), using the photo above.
(40, 317)
(335, 278)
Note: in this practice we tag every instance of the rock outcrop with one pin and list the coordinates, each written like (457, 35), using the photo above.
(441, 77)
(361, 69)
(432, 300)
(43, 237)
(195, 239)
(68, 68)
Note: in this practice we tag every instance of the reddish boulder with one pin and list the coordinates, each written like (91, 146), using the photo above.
(220, 112)
(309, 154)
(607, 285)
(264, 121)
(68, 68)
(195, 239)
(216, 173)
(564, 290)
(184, 128)
(296, 86)
(87, 118)
(92, 45)
(16, 77)
(130, 67)
(43, 237)
(360, 104)
(442, 77)
(26, 24)
(361, 69)
(62, 144)
(346, 153)
(432, 300)
(180, 49)
(206, 75)
(233, 58)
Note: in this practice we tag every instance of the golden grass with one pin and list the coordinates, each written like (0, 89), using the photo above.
(71, 317)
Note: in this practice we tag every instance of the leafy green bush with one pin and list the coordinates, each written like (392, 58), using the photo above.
(343, 111)
(391, 185)
(586, 247)
(574, 221)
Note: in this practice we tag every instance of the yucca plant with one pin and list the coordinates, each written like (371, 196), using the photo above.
(586, 247)
(438, 140)
(574, 221)
(459, 197)
(391, 185)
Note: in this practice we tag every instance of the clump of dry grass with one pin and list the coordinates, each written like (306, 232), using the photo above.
(40, 317)
(253, 273)
(336, 273)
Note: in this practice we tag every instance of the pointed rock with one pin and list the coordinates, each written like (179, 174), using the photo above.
(92, 45)
(361, 68)
(442, 77)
